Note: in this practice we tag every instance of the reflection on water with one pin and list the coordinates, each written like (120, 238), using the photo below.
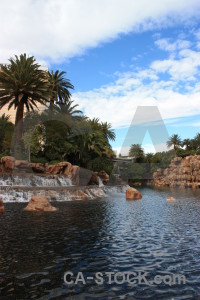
(110, 234)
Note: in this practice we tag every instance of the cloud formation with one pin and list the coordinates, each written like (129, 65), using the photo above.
(176, 95)
(56, 30)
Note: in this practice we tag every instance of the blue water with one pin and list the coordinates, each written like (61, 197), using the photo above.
(107, 235)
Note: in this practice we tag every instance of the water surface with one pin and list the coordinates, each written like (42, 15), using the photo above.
(110, 234)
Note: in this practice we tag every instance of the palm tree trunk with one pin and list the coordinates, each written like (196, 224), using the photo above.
(19, 121)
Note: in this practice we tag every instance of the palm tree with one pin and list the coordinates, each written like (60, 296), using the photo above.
(108, 131)
(137, 152)
(59, 88)
(186, 143)
(68, 108)
(22, 85)
(174, 141)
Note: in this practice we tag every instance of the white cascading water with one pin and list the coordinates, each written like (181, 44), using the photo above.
(100, 182)
(33, 180)
(18, 188)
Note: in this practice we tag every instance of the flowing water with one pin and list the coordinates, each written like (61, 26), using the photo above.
(35, 180)
(104, 235)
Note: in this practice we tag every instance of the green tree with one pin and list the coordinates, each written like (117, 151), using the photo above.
(108, 131)
(187, 144)
(137, 152)
(59, 88)
(34, 140)
(6, 133)
(174, 141)
(22, 85)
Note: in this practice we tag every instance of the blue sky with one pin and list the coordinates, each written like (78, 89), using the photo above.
(118, 54)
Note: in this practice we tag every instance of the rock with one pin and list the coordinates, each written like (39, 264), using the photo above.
(94, 180)
(53, 169)
(1, 207)
(79, 195)
(182, 172)
(104, 177)
(37, 167)
(22, 164)
(97, 192)
(74, 173)
(8, 163)
(67, 169)
(132, 194)
(170, 198)
(39, 203)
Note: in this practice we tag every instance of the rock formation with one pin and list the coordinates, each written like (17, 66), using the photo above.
(39, 203)
(1, 207)
(78, 176)
(182, 172)
(104, 177)
(133, 194)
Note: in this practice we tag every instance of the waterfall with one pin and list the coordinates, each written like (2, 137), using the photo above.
(35, 180)
(100, 182)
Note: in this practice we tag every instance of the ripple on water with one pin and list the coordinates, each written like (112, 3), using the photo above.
(111, 235)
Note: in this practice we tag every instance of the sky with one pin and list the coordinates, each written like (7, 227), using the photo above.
(119, 55)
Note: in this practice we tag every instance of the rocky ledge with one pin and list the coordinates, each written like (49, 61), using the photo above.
(182, 172)
(78, 176)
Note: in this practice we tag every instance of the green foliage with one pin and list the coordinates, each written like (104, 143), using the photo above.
(137, 152)
(41, 160)
(101, 163)
(6, 133)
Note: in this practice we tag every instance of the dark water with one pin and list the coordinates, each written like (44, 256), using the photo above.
(112, 234)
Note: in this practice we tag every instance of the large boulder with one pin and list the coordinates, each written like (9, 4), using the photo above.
(22, 164)
(94, 180)
(8, 163)
(1, 207)
(37, 167)
(74, 174)
(53, 169)
(133, 194)
(39, 203)
(104, 177)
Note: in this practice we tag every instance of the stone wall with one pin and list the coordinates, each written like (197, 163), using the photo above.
(182, 172)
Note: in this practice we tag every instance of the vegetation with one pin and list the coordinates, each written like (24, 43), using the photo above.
(60, 132)
(144, 165)
(174, 141)
(22, 85)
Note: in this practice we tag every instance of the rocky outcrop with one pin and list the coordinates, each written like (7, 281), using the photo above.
(94, 180)
(40, 203)
(78, 176)
(1, 207)
(133, 194)
(7, 163)
(104, 177)
(182, 172)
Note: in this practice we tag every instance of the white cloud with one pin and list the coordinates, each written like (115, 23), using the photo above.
(165, 44)
(59, 29)
(117, 101)
(183, 68)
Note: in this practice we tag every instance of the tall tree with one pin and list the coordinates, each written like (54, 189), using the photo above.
(22, 85)
(174, 141)
(59, 88)
(187, 143)
(108, 131)
(137, 152)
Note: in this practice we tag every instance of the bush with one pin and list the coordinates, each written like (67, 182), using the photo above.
(54, 162)
(41, 160)
(101, 163)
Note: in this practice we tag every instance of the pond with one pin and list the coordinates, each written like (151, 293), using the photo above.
(150, 235)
